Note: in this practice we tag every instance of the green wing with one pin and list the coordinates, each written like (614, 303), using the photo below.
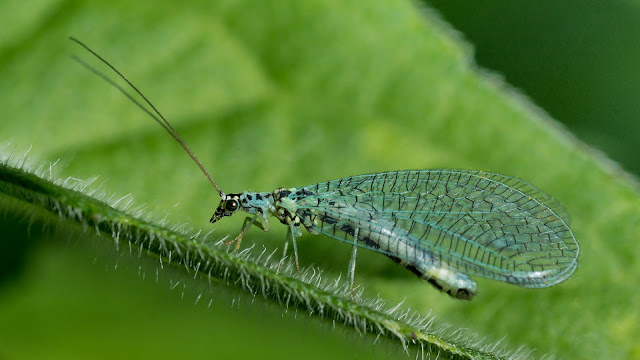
(478, 223)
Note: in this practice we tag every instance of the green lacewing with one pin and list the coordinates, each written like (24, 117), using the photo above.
(443, 225)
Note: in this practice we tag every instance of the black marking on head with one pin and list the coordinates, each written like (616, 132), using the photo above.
(258, 197)
(283, 193)
(249, 197)
(227, 207)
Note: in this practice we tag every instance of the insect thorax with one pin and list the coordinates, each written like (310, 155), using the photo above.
(286, 207)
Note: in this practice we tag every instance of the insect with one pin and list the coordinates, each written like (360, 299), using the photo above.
(443, 225)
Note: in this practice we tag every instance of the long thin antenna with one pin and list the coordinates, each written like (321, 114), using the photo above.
(159, 119)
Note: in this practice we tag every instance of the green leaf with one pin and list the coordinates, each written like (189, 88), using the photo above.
(212, 262)
(288, 94)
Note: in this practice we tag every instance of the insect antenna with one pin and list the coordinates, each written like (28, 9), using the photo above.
(160, 119)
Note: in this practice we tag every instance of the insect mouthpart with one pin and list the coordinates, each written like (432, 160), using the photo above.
(230, 203)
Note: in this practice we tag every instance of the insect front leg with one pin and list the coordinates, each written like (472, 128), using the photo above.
(248, 221)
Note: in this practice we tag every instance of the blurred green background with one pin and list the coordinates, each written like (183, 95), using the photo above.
(577, 60)
(294, 93)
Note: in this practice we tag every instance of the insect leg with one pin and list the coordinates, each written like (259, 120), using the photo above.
(292, 231)
(245, 227)
(284, 254)
(351, 272)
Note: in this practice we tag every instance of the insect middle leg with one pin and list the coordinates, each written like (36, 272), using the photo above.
(293, 231)
(284, 254)
(351, 272)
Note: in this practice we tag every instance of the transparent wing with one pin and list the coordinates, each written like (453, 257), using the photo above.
(482, 224)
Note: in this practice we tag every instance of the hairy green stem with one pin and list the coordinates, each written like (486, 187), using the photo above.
(241, 269)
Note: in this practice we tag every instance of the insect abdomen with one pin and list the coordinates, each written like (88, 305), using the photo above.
(453, 283)
(382, 236)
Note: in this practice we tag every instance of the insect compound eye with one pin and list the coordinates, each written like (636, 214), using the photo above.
(232, 205)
